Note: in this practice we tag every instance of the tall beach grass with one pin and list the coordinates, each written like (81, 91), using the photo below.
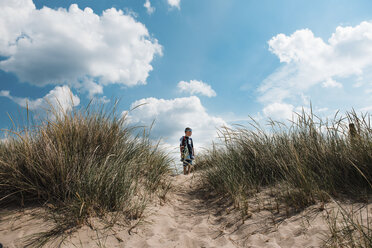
(312, 158)
(307, 161)
(84, 163)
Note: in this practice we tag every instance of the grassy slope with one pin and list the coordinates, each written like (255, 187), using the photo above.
(309, 161)
(82, 164)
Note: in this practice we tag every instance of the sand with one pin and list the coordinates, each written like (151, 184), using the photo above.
(188, 218)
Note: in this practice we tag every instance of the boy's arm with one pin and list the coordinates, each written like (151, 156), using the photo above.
(193, 152)
(182, 145)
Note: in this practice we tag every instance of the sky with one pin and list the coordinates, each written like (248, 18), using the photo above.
(203, 64)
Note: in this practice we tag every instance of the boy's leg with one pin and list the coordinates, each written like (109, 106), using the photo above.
(189, 166)
(184, 167)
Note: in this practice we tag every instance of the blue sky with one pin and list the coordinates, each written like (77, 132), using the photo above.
(260, 58)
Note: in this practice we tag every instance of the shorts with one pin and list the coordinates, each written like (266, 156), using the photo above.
(187, 162)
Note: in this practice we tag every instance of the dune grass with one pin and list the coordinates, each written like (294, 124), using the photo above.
(349, 227)
(84, 163)
(306, 162)
(311, 157)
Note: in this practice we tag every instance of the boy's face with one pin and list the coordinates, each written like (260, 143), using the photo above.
(188, 133)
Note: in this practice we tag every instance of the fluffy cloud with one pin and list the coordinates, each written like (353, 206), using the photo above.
(54, 46)
(174, 3)
(196, 87)
(91, 87)
(148, 7)
(173, 115)
(333, 71)
(279, 111)
(59, 99)
(330, 83)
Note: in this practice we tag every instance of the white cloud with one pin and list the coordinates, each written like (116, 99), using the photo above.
(196, 87)
(5, 93)
(59, 99)
(4, 135)
(279, 111)
(148, 7)
(330, 83)
(366, 109)
(91, 87)
(102, 100)
(172, 116)
(3, 140)
(54, 46)
(174, 3)
(311, 64)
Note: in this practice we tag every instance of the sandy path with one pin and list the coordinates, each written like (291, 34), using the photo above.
(184, 221)
(189, 219)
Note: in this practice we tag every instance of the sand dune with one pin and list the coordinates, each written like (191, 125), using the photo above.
(188, 219)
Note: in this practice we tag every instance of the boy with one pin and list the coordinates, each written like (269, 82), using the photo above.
(187, 151)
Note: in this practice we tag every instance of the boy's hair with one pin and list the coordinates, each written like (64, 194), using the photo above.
(188, 129)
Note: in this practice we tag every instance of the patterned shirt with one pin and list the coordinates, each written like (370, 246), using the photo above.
(187, 142)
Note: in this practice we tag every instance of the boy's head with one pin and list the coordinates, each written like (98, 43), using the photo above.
(188, 131)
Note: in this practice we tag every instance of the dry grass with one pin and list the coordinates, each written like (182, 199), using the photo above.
(305, 162)
(81, 164)
(349, 227)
